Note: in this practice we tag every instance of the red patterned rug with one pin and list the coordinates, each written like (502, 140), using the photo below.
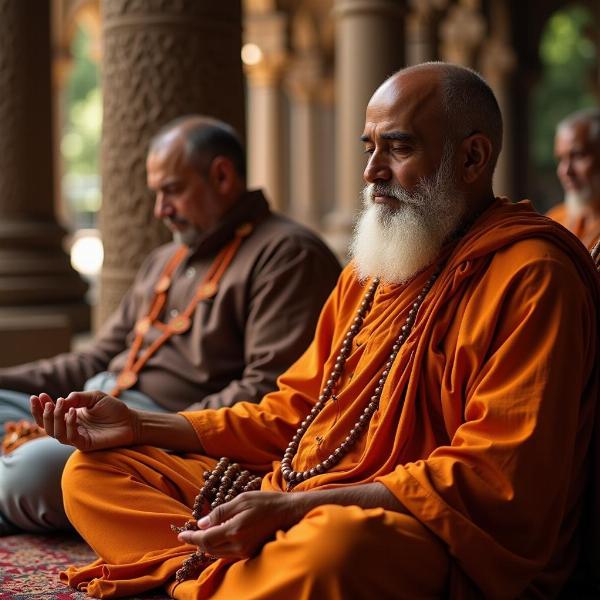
(29, 567)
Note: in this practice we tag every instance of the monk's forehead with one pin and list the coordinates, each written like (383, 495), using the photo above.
(408, 102)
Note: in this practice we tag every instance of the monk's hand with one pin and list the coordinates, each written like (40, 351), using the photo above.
(86, 420)
(239, 528)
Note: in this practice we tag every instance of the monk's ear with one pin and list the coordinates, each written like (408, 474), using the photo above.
(222, 174)
(476, 154)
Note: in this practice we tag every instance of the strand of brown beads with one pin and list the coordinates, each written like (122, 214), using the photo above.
(222, 484)
(293, 477)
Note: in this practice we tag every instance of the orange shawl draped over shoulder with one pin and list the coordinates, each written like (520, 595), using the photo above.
(585, 226)
(485, 421)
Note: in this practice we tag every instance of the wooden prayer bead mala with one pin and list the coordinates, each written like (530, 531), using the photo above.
(226, 481)
(289, 474)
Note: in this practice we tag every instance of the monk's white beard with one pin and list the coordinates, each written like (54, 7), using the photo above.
(394, 244)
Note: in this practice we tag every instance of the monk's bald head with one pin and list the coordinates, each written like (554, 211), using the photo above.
(456, 97)
(200, 139)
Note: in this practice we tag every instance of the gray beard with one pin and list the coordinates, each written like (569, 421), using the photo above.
(189, 236)
(395, 244)
(576, 201)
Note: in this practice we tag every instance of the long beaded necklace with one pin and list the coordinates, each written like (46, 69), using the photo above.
(227, 480)
(181, 323)
(293, 477)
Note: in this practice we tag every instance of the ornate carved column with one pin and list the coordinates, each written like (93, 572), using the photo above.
(369, 48)
(421, 30)
(36, 279)
(462, 33)
(161, 60)
(309, 86)
(265, 39)
(498, 60)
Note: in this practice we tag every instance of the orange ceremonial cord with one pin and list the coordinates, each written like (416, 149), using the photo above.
(181, 323)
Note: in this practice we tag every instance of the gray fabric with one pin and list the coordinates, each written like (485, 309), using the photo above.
(38, 464)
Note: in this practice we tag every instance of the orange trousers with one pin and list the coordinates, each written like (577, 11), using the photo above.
(124, 501)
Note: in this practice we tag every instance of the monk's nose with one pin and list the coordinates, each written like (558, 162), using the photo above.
(376, 170)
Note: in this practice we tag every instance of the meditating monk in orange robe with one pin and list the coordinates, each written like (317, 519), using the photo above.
(577, 150)
(433, 441)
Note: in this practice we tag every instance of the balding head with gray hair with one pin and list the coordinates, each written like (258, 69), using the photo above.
(577, 152)
(586, 116)
(204, 138)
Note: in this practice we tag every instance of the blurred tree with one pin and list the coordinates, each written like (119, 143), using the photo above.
(80, 141)
(568, 56)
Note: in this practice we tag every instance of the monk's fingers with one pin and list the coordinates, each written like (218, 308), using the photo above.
(37, 404)
(191, 537)
(76, 435)
(228, 540)
(217, 546)
(48, 418)
(201, 539)
(37, 410)
(240, 509)
(59, 426)
(84, 399)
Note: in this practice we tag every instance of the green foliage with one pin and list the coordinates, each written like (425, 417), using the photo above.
(568, 58)
(81, 134)
(84, 75)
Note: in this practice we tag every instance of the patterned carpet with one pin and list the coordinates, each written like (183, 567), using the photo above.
(29, 567)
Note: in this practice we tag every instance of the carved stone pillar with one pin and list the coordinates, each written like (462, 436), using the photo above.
(369, 48)
(421, 30)
(161, 60)
(309, 87)
(36, 279)
(265, 33)
(462, 33)
(304, 150)
(498, 60)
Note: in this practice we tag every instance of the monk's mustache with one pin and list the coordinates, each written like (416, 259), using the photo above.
(392, 190)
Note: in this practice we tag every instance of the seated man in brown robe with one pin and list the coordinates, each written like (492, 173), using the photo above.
(211, 319)
(432, 442)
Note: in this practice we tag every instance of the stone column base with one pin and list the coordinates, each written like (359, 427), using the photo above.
(24, 338)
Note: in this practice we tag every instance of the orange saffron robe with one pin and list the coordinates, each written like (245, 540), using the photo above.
(586, 226)
(484, 427)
